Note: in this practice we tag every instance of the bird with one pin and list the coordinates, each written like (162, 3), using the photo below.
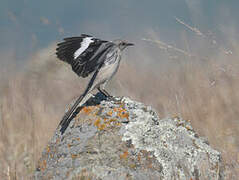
(91, 56)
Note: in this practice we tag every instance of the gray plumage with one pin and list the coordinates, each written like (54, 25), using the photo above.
(88, 55)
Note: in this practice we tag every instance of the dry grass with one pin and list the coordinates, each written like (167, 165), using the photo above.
(33, 100)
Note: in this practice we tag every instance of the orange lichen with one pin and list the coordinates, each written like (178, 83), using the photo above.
(42, 165)
(124, 115)
(99, 125)
(105, 123)
(74, 156)
(150, 165)
(69, 145)
(102, 127)
(109, 113)
(48, 149)
(121, 112)
(87, 110)
(188, 127)
(76, 139)
(124, 155)
(105, 119)
(97, 122)
(139, 157)
(112, 120)
(117, 124)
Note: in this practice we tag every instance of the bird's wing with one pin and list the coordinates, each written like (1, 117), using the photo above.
(83, 53)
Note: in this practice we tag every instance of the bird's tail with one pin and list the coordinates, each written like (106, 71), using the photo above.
(67, 117)
(64, 122)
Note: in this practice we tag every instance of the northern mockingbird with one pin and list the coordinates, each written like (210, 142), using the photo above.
(89, 55)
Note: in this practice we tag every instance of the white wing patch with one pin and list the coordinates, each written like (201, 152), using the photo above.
(84, 45)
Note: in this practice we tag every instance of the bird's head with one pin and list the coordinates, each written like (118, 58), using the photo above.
(122, 44)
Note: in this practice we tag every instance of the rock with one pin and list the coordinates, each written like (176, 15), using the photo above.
(124, 139)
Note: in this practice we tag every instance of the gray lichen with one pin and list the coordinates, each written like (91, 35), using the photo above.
(173, 142)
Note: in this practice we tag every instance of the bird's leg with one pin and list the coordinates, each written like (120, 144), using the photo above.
(104, 92)
(108, 96)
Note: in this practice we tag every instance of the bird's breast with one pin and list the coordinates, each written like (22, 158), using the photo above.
(109, 69)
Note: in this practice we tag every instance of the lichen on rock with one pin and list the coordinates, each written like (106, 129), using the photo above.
(125, 139)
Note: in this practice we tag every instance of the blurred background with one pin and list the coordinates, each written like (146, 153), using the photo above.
(184, 63)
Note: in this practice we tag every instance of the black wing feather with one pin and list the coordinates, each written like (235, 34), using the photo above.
(65, 50)
(86, 62)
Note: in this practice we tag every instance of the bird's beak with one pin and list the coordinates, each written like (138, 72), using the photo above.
(130, 44)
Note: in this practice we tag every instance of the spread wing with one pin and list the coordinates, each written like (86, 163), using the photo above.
(83, 53)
